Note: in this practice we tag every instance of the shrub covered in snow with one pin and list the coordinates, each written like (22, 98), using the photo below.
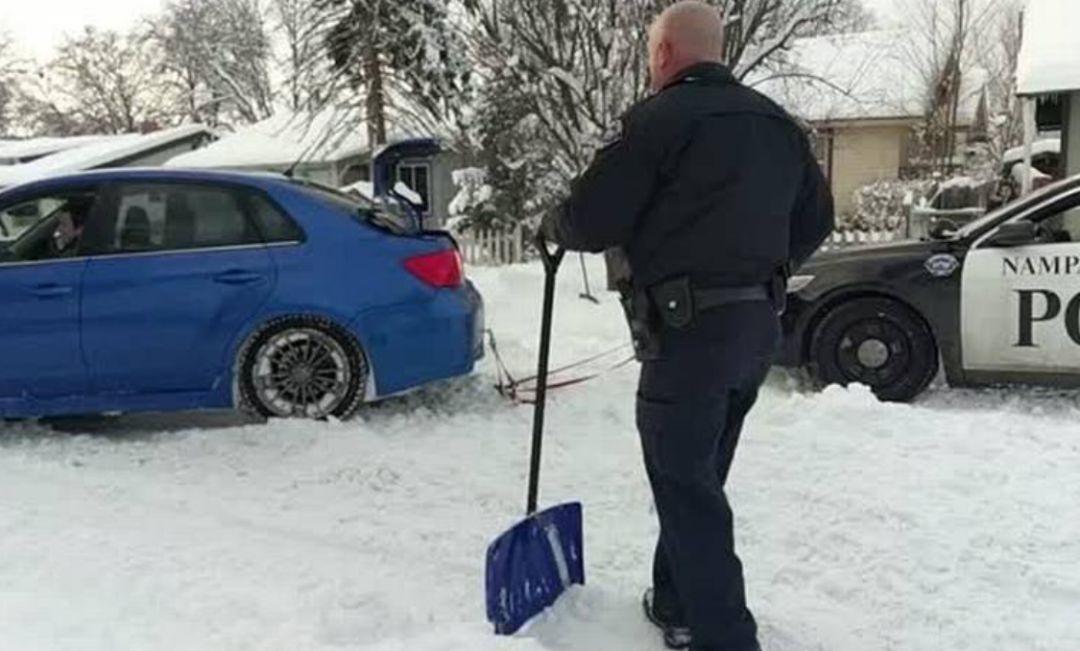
(883, 205)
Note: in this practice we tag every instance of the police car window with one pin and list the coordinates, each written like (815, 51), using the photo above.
(1061, 223)
(170, 217)
(1031, 200)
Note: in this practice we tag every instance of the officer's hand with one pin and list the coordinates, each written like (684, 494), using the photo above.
(549, 226)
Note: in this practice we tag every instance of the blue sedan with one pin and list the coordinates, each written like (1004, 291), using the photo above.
(159, 290)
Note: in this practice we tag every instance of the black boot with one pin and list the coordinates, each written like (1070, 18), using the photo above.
(676, 633)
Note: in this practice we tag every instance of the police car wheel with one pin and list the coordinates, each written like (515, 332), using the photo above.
(877, 342)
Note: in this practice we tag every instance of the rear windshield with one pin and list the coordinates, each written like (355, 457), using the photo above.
(352, 203)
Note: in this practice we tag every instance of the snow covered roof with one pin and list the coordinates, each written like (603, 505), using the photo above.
(13, 151)
(1049, 60)
(860, 76)
(285, 138)
(1045, 146)
(103, 153)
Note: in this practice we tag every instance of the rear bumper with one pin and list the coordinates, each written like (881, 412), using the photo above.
(412, 344)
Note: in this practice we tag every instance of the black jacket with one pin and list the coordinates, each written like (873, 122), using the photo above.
(709, 179)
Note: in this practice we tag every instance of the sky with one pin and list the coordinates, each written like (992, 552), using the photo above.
(38, 26)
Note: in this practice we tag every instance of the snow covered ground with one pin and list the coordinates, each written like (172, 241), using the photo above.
(948, 525)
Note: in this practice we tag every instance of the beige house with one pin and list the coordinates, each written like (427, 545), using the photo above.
(864, 98)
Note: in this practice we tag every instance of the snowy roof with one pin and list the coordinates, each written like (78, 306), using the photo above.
(16, 150)
(102, 153)
(1049, 60)
(284, 139)
(860, 76)
(1046, 146)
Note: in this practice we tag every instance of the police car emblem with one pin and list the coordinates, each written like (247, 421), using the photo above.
(942, 265)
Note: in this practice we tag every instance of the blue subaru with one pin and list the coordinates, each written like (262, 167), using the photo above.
(159, 290)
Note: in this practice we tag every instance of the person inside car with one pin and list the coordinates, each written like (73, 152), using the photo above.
(70, 222)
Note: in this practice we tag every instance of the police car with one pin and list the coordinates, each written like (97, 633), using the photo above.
(995, 302)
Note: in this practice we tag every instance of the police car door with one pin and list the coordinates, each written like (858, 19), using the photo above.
(1020, 305)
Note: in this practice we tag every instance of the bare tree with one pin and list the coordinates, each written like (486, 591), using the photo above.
(942, 53)
(304, 64)
(11, 68)
(997, 51)
(103, 82)
(216, 58)
(760, 31)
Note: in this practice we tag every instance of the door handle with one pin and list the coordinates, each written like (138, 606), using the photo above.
(52, 291)
(237, 277)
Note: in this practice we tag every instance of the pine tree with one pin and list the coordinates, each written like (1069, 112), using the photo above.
(406, 57)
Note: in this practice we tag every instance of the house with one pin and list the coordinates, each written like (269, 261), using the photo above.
(128, 150)
(1048, 81)
(863, 98)
(18, 152)
(331, 148)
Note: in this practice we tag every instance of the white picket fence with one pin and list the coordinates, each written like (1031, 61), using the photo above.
(844, 239)
(491, 247)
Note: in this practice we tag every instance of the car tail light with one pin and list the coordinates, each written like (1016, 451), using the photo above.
(440, 269)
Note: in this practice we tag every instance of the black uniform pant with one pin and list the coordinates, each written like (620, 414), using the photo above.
(690, 412)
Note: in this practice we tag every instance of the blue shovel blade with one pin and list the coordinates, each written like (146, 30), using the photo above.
(531, 565)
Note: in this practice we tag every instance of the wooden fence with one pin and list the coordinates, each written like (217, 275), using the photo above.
(489, 247)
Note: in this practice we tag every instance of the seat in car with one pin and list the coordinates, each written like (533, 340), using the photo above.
(179, 222)
(136, 233)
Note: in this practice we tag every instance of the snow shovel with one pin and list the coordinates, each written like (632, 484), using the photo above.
(531, 565)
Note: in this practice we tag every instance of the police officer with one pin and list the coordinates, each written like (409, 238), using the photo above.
(711, 197)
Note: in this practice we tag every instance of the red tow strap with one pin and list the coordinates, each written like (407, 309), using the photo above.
(520, 390)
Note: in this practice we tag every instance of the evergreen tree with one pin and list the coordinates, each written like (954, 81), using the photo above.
(407, 58)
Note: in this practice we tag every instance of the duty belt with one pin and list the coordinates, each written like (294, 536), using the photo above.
(708, 299)
(678, 302)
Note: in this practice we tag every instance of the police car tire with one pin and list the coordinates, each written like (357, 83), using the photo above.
(248, 400)
(907, 373)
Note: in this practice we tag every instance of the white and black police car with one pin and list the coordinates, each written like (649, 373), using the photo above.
(994, 302)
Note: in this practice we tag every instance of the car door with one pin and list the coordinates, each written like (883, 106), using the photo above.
(177, 270)
(1020, 306)
(40, 273)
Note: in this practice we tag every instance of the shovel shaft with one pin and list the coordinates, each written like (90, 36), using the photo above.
(551, 268)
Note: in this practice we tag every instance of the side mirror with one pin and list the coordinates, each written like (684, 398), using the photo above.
(1014, 234)
(942, 229)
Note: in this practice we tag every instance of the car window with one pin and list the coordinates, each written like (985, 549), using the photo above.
(171, 217)
(1060, 222)
(350, 202)
(274, 225)
(48, 226)
(1016, 207)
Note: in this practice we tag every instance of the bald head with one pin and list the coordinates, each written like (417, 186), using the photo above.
(686, 33)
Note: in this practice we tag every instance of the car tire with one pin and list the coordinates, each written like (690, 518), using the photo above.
(301, 367)
(878, 342)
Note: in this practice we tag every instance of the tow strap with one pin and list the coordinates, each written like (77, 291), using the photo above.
(523, 391)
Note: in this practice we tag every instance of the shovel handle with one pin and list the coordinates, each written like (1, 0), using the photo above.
(552, 260)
